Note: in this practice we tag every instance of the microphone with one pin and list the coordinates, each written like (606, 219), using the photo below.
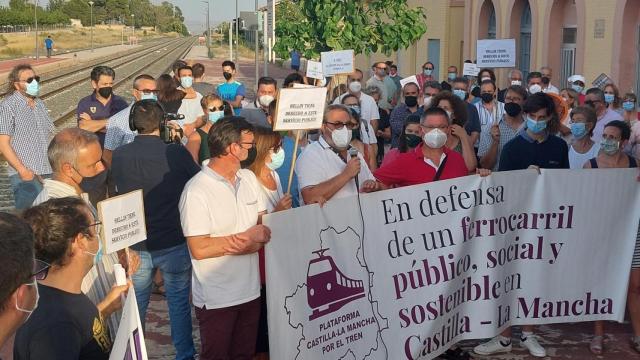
(353, 152)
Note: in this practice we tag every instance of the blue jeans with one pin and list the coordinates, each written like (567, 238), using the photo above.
(24, 192)
(175, 265)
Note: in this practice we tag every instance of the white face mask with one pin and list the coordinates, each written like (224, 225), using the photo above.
(516, 82)
(265, 100)
(355, 86)
(427, 100)
(435, 138)
(35, 306)
(341, 138)
(535, 88)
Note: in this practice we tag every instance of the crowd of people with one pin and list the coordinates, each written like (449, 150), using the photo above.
(210, 166)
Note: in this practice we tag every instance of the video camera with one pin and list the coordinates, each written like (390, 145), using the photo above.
(170, 133)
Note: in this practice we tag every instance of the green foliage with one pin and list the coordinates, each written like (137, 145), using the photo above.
(314, 26)
(20, 12)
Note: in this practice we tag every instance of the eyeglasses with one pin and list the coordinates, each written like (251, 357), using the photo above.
(381, 68)
(220, 108)
(98, 226)
(30, 79)
(147, 91)
(253, 144)
(339, 125)
(40, 270)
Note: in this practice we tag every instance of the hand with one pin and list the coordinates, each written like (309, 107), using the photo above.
(379, 133)
(534, 167)
(284, 204)
(459, 132)
(26, 174)
(495, 132)
(113, 301)
(133, 264)
(249, 241)
(369, 186)
(85, 116)
(320, 200)
(483, 172)
(353, 167)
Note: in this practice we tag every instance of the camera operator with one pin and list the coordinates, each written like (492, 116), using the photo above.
(161, 170)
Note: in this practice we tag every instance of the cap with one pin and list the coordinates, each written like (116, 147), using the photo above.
(574, 78)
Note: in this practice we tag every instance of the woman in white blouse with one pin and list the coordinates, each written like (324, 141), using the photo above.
(583, 120)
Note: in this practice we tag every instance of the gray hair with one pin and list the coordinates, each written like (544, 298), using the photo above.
(335, 107)
(372, 90)
(513, 71)
(64, 147)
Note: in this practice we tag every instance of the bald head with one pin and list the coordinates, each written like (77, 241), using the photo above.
(67, 144)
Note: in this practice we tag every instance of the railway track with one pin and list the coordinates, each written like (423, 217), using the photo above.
(62, 101)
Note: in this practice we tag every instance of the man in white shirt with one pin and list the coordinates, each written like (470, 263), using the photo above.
(325, 169)
(190, 107)
(220, 213)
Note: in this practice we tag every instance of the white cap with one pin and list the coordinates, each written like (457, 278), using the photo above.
(574, 78)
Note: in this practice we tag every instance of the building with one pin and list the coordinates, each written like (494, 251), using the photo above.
(587, 37)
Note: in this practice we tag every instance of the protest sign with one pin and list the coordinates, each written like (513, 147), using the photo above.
(337, 62)
(496, 53)
(314, 70)
(469, 69)
(129, 343)
(302, 86)
(406, 273)
(601, 81)
(300, 109)
(123, 222)
(410, 79)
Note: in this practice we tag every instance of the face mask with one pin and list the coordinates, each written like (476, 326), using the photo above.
(341, 138)
(277, 159)
(251, 157)
(355, 108)
(265, 100)
(628, 105)
(516, 82)
(214, 116)
(411, 101)
(150, 96)
(105, 92)
(451, 76)
(381, 73)
(412, 140)
(609, 146)
(577, 88)
(534, 89)
(486, 97)
(578, 130)
(461, 94)
(435, 138)
(33, 88)
(393, 73)
(485, 79)
(608, 98)
(97, 256)
(355, 86)
(227, 75)
(428, 72)
(427, 101)
(35, 306)
(512, 109)
(186, 82)
(89, 184)
(546, 80)
(536, 127)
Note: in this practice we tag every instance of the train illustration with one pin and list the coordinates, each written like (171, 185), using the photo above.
(328, 289)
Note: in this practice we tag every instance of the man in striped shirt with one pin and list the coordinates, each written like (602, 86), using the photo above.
(489, 109)
(25, 130)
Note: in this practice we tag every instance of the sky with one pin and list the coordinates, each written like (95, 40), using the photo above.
(195, 10)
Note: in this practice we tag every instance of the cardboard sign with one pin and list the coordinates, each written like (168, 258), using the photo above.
(496, 53)
(337, 62)
(409, 79)
(123, 222)
(470, 69)
(300, 108)
(302, 86)
(129, 342)
(314, 70)
(601, 81)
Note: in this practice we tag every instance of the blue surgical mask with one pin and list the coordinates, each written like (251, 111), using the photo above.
(97, 257)
(460, 93)
(277, 159)
(579, 130)
(186, 82)
(428, 72)
(149, 96)
(628, 105)
(33, 88)
(451, 76)
(577, 88)
(355, 108)
(609, 146)
(536, 127)
(608, 98)
(214, 116)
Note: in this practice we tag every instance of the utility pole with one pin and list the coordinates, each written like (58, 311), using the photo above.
(231, 40)
(91, 5)
(237, 26)
(35, 14)
(257, 48)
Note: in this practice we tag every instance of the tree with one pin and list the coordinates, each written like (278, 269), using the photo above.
(314, 26)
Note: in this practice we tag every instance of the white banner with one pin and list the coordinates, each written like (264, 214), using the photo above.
(496, 53)
(414, 270)
(337, 62)
(129, 343)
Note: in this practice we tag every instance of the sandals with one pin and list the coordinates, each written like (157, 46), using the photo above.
(596, 345)
(635, 343)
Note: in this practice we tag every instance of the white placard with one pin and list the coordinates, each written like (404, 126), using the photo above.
(407, 273)
(496, 53)
(129, 342)
(302, 86)
(123, 222)
(314, 70)
(409, 79)
(337, 62)
(469, 69)
(300, 109)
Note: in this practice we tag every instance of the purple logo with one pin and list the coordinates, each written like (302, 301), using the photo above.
(328, 289)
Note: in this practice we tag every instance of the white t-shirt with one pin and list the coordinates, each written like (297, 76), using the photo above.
(368, 111)
(210, 205)
(272, 197)
(319, 163)
(577, 160)
(191, 109)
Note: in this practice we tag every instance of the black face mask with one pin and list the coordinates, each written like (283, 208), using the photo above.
(105, 92)
(512, 109)
(486, 97)
(253, 152)
(89, 184)
(546, 80)
(411, 101)
(412, 140)
(227, 75)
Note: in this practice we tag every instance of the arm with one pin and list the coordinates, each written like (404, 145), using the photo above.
(113, 301)
(237, 102)
(473, 138)
(12, 158)
(246, 242)
(468, 153)
(489, 154)
(327, 188)
(86, 123)
(107, 157)
(193, 145)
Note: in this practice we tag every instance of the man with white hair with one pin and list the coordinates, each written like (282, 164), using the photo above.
(515, 79)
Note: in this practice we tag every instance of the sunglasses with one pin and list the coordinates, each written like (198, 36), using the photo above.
(40, 270)
(30, 79)
(220, 108)
(591, 102)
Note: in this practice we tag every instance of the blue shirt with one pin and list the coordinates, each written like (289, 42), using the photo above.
(523, 151)
(229, 91)
(283, 171)
(48, 43)
(295, 58)
(98, 111)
